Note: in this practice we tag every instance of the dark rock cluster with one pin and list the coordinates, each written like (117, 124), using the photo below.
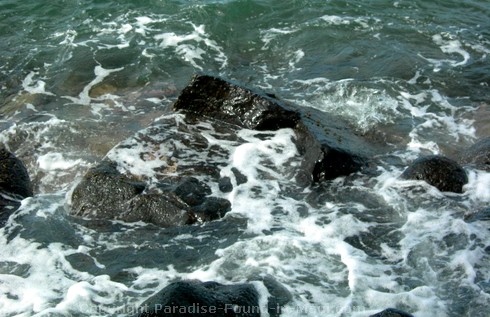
(15, 184)
(194, 298)
(177, 191)
(105, 193)
(169, 175)
(212, 97)
(329, 148)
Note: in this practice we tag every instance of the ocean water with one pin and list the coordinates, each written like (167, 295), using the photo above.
(79, 77)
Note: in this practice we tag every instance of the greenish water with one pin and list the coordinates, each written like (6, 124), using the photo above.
(78, 77)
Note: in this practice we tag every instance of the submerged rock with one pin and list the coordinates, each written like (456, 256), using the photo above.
(279, 296)
(439, 171)
(196, 298)
(478, 154)
(15, 184)
(392, 312)
(480, 215)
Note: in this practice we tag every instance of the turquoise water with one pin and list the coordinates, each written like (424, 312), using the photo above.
(78, 77)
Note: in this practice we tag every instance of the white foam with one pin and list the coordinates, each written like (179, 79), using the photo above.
(478, 186)
(193, 46)
(125, 28)
(56, 161)
(35, 86)
(446, 120)
(30, 106)
(271, 34)
(418, 98)
(139, 165)
(363, 106)
(263, 162)
(100, 74)
(340, 227)
(43, 282)
(141, 23)
(295, 58)
(336, 20)
(89, 296)
(69, 37)
(452, 47)
(449, 46)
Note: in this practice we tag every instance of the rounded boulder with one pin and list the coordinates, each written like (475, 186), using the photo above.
(439, 171)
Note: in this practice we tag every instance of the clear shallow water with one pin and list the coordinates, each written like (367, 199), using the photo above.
(78, 78)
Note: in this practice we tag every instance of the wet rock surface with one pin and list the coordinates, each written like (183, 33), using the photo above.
(213, 97)
(329, 147)
(170, 174)
(337, 162)
(478, 155)
(157, 176)
(14, 178)
(15, 184)
(392, 312)
(439, 171)
(175, 172)
(480, 215)
(196, 298)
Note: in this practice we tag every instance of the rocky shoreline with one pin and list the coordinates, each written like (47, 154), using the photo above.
(178, 187)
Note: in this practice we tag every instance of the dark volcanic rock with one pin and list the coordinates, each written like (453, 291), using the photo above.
(192, 191)
(213, 97)
(225, 184)
(478, 154)
(14, 179)
(336, 162)
(196, 298)
(439, 171)
(160, 208)
(212, 208)
(279, 295)
(328, 146)
(148, 178)
(166, 174)
(240, 178)
(392, 312)
(15, 184)
(330, 141)
(104, 192)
